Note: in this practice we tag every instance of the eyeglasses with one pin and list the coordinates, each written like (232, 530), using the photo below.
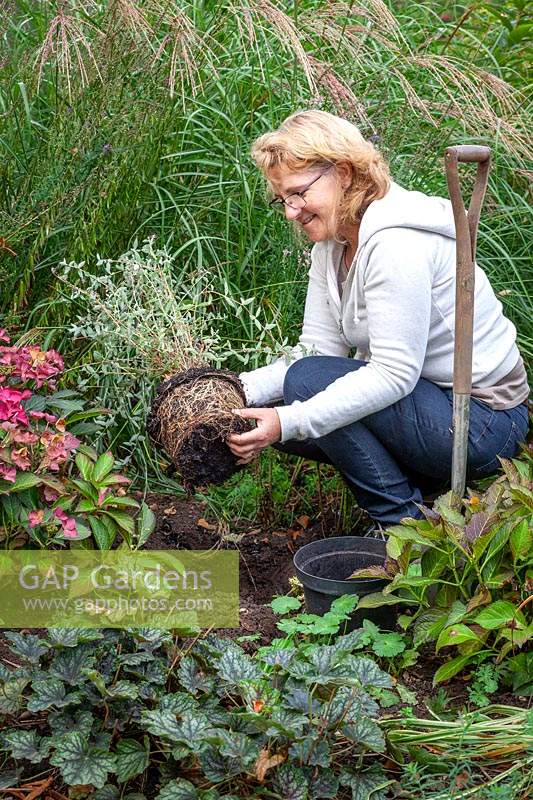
(295, 199)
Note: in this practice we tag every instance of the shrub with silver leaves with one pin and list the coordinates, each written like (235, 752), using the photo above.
(146, 322)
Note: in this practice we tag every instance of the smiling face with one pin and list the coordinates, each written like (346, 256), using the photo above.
(318, 219)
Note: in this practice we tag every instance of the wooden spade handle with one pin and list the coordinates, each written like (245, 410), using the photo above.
(470, 152)
(466, 225)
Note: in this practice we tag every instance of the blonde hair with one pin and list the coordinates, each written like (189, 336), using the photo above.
(311, 139)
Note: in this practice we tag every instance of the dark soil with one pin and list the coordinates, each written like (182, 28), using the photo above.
(265, 559)
(204, 457)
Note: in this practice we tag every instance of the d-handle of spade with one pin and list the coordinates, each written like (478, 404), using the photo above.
(466, 225)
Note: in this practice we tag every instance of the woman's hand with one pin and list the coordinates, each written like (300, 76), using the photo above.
(248, 445)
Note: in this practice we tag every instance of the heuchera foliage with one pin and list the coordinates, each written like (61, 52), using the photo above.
(43, 496)
(113, 709)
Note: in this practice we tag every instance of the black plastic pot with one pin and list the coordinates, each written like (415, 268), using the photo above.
(323, 567)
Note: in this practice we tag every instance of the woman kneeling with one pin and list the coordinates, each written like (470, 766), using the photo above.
(381, 283)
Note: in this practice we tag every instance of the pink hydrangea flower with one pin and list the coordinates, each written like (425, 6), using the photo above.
(9, 355)
(69, 529)
(70, 441)
(67, 523)
(7, 473)
(20, 458)
(8, 426)
(32, 363)
(10, 405)
(57, 448)
(19, 436)
(35, 517)
(50, 495)
(43, 366)
(4, 336)
(43, 415)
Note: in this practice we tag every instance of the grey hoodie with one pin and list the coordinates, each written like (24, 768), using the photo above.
(397, 312)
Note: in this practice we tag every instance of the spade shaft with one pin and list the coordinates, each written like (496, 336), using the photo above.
(466, 225)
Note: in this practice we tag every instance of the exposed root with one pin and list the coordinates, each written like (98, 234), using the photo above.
(191, 419)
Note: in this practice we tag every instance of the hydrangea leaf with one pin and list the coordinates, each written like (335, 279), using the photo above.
(521, 540)
(499, 614)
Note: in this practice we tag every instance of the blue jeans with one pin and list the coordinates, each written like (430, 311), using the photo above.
(390, 457)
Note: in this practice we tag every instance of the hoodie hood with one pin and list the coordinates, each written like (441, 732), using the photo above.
(401, 208)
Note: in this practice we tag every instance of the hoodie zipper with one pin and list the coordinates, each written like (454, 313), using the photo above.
(342, 299)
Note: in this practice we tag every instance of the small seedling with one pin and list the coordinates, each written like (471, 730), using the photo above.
(485, 683)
